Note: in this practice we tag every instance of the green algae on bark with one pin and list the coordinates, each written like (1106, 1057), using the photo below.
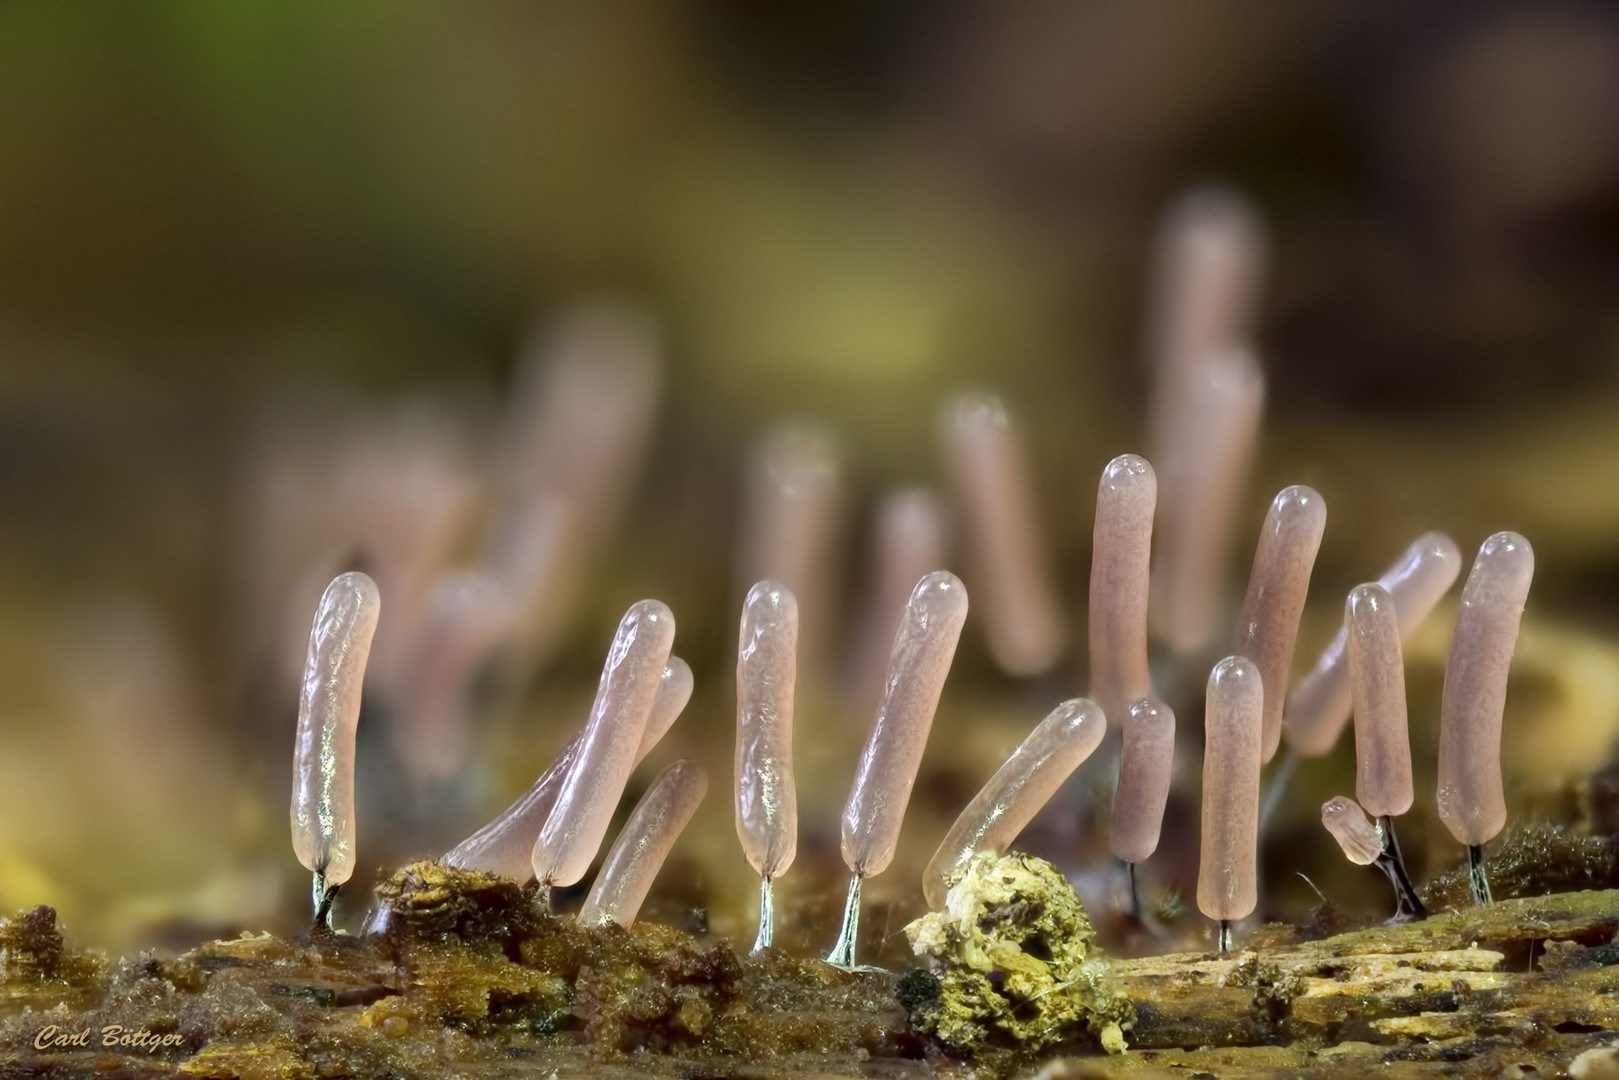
(470, 980)
(467, 978)
(1011, 963)
(1527, 982)
(1533, 859)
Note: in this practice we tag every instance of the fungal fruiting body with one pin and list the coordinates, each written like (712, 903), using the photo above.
(1319, 706)
(1366, 844)
(403, 490)
(924, 646)
(466, 617)
(1233, 717)
(1203, 463)
(629, 684)
(582, 413)
(1024, 624)
(1207, 393)
(583, 406)
(1208, 269)
(636, 856)
(790, 526)
(1353, 830)
(766, 802)
(505, 846)
(531, 553)
(1382, 737)
(1146, 765)
(1277, 586)
(1377, 686)
(909, 538)
(1017, 791)
(328, 715)
(1471, 802)
(1121, 553)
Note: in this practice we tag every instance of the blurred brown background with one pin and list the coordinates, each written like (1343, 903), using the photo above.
(835, 210)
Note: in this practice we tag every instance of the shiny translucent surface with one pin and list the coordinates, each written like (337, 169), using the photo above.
(629, 685)
(1017, 792)
(328, 714)
(1353, 830)
(639, 852)
(1471, 802)
(910, 538)
(1377, 685)
(1203, 463)
(505, 846)
(1233, 717)
(1121, 551)
(1277, 587)
(1145, 769)
(766, 672)
(923, 648)
(1013, 583)
(1319, 706)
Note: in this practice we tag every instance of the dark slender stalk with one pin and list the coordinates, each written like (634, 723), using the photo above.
(1476, 877)
(1407, 905)
(767, 916)
(842, 954)
(321, 896)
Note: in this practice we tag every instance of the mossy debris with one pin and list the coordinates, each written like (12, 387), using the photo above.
(470, 980)
(1014, 965)
(464, 977)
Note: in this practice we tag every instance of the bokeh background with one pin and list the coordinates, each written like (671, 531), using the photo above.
(232, 231)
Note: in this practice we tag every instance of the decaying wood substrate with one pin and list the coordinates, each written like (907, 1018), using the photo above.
(1526, 984)
(469, 980)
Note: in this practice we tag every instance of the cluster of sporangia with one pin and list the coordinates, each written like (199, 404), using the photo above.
(1206, 409)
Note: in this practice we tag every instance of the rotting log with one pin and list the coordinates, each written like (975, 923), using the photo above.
(470, 978)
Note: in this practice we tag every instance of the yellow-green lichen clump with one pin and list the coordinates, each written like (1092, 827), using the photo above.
(1008, 963)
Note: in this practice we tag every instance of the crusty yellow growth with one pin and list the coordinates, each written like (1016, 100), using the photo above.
(262, 1062)
(1012, 957)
